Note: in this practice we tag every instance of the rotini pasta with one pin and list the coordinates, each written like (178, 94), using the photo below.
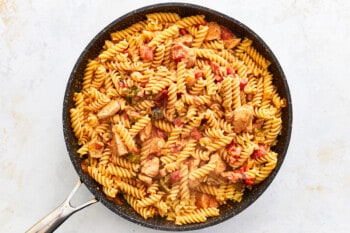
(175, 119)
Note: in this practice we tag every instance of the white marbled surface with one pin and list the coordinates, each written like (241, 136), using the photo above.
(39, 44)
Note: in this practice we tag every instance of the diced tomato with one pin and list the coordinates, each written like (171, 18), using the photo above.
(249, 181)
(230, 70)
(175, 177)
(214, 66)
(161, 98)
(160, 133)
(195, 134)
(226, 34)
(243, 169)
(121, 84)
(233, 151)
(178, 52)
(259, 152)
(183, 31)
(163, 95)
(218, 78)
(246, 180)
(178, 122)
(198, 74)
(146, 53)
(242, 84)
(231, 146)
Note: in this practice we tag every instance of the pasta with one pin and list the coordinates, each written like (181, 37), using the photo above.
(177, 120)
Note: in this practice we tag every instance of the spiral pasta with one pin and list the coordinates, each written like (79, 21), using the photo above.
(163, 17)
(173, 121)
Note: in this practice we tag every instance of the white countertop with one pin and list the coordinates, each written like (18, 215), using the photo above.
(39, 44)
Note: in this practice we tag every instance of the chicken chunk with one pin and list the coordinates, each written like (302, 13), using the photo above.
(205, 201)
(117, 146)
(226, 33)
(190, 59)
(146, 53)
(186, 40)
(243, 119)
(220, 164)
(233, 176)
(214, 31)
(181, 52)
(231, 43)
(156, 145)
(96, 149)
(260, 152)
(146, 179)
(109, 110)
(151, 167)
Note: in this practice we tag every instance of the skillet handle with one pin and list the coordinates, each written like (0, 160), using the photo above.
(56, 217)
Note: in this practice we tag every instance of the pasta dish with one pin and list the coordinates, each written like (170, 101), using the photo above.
(178, 115)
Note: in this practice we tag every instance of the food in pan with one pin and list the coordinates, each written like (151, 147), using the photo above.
(178, 116)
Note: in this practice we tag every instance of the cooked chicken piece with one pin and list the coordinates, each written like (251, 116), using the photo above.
(163, 172)
(214, 31)
(190, 58)
(146, 132)
(146, 53)
(117, 146)
(181, 52)
(220, 164)
(151, 167)
(109, 110)
(205, 201)
(147, 180)
(231, 43)
(186, 40)
(96, 149)
(156, 145)
(233, 176)
(243, 119)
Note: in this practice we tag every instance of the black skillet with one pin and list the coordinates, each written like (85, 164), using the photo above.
(75, 83)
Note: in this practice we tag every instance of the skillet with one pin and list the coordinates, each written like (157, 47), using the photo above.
(56, 217)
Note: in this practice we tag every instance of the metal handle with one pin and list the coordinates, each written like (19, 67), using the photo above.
(56, 217)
